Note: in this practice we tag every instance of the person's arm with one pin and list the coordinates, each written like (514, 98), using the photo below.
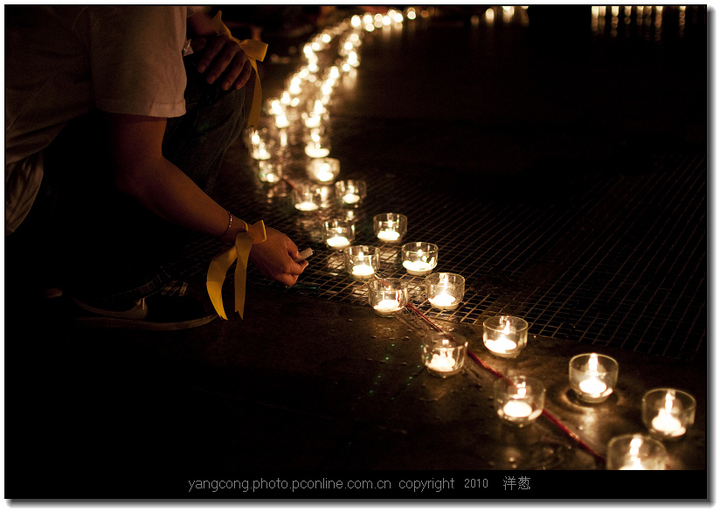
(140, 170)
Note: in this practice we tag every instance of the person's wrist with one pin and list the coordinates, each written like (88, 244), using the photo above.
(234, 227)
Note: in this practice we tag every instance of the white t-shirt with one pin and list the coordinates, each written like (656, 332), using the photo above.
(63, 61)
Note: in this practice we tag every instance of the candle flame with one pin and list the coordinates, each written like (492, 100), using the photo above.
(635, 445)
(669, 400)
(506, 330)
(593, 363)
(521, 390)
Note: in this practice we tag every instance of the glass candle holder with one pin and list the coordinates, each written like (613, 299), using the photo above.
(317, 146)
(668, 413)
(350, 193)
(445, 290)
(635, 451)
(323, 170)
(390, 227)
(361, 261)
(387, 296)
(263, 150)
(593, 376)
(338, 234)
(419, 258)
(326, 195)
(444, 354)
(260, 143)
(505, 336)
(306, 198)
(269, 171)
(314, 119)
(281, 120)
(519, 400)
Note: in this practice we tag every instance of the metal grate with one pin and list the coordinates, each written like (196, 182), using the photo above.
(620, 261)
(605, 255)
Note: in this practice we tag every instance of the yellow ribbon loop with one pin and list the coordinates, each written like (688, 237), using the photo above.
(255, 51)
(219, 266)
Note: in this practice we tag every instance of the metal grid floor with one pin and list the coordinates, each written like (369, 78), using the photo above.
(620, 261)
(606, 253)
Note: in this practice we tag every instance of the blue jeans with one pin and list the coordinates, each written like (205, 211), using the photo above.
(113, 249)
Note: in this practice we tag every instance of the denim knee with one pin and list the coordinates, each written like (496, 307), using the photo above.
(196, 142)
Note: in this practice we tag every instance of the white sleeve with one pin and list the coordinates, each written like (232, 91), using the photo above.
(136, 61)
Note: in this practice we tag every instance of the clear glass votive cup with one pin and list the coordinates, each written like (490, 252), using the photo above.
(338, 234)
(260, 143)
(445, 290)
(593, 376)
(390, 227)
(444, 354)
(269, 171)
(317, 145)
(306, 198)
(667, 412)
(361, 261)
(635, 451)
(325, 194)
(350, 193)
(314, 119)
(419, 258)
(519, 400)
(387, 296)
(323, 170)
(505, 336)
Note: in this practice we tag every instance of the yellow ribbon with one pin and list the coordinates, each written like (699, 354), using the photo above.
(219, 266)
(255, 51)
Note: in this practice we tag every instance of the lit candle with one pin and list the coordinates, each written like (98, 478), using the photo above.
(501, 345)
(281, 121)
(362, 270)
(416, 267)
(517, 409)
(351, 198)
(306, 206)
(388, 306)
(313, 121)
(665, 422)
(635, 465)
(319, 108)
(442, 362)
(261, 153)
(442, 299)
(593, 385)
(315, 150)
(388, 235)
(322, 171)
(338, 242)
(634, 454)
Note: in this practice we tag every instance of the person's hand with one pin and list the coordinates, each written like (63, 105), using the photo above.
(274, 258)
(223, 58)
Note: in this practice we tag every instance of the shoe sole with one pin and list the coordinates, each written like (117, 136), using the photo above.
(140, 325)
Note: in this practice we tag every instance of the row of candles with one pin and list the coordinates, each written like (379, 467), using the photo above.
(667, 413)
(519, 400)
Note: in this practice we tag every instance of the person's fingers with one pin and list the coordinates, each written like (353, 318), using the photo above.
(221, 64)
(243, 77)
(288, 279)
(211, 51)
